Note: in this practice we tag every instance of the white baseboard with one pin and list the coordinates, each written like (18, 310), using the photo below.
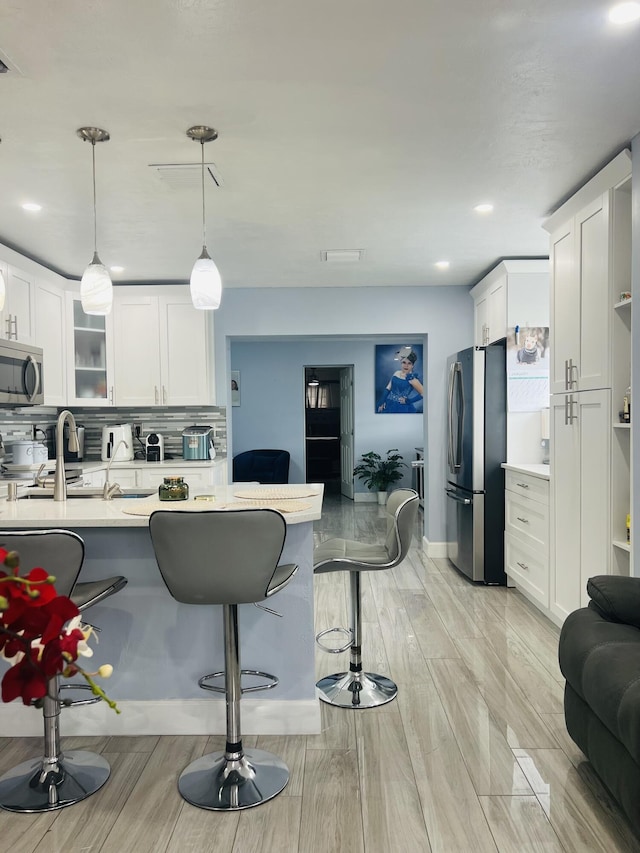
(168, 717)
(435, 550)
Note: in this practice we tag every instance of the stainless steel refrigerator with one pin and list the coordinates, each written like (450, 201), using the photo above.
(477, 445)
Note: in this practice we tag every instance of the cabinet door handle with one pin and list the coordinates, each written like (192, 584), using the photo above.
(155, 393)
(571, 382)
(15, 327)
(566, 375)
(111, 395)
(164, 395)
(523, 485)
(572, 403)
(566, 411)
(8, 322)
(523, 566)
(523, 520)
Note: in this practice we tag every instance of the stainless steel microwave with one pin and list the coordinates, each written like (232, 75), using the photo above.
(20, 374)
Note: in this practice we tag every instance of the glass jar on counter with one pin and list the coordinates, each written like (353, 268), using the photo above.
(173, 489)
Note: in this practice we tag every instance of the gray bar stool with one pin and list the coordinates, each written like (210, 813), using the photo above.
(226, 557)
(356, 688)
(56, 780)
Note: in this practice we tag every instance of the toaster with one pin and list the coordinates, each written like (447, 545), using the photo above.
(154, 447)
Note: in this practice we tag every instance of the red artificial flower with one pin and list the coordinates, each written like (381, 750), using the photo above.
(17, 594)
(25, 680)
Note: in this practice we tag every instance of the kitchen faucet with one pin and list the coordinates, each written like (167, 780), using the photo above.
(108, 491)
(60, 481)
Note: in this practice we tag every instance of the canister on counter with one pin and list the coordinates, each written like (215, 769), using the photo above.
(173, 489)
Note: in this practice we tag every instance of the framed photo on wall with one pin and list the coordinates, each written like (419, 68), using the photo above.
(399, 379)
(235, 387)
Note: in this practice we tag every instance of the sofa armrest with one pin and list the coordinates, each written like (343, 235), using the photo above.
(615, 598)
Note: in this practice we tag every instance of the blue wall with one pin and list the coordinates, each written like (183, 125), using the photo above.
(272, 409)
(442, 316)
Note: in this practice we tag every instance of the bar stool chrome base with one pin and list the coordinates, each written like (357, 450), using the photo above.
(223, 783)
(356, 690)
(35, 786)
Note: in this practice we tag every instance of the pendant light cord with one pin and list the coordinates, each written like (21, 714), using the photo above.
(204, 227)
(95, 216)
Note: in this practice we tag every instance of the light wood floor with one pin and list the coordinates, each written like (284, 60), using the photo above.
(473, 756)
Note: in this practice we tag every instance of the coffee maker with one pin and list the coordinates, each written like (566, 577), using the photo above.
(154, 447)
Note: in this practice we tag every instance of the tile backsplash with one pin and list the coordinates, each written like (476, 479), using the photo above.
(16, 424)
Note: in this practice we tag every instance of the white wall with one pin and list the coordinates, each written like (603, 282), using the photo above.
(443, 316)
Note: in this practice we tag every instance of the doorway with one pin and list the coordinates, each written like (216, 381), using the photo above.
(328, 394)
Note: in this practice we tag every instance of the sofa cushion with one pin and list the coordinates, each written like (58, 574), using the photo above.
(600, 659)
(617, 598)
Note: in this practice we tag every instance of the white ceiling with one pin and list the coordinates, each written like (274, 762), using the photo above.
(344, 124)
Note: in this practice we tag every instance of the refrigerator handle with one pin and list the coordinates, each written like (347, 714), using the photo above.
(457, 445)
(454, 497)
(450, 420)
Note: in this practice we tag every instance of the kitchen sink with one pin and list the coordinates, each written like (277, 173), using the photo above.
(85, 494)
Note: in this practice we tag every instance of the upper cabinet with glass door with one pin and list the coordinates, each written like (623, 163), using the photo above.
(90, 357)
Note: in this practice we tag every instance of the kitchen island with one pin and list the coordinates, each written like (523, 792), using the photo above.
(159, 647)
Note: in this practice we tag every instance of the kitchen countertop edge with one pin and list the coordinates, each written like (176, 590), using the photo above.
(535, 470)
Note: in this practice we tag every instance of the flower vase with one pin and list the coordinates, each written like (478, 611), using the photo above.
(382, 498)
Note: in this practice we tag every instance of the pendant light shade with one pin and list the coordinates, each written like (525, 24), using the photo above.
(3, 291)
(96, 289)
(205, 282)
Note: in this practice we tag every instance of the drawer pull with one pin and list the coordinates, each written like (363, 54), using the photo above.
(523, 566)
(523, 520)
(523, 485)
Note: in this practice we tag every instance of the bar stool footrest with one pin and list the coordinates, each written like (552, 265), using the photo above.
(74, 703)
(272, 681)
(330, 649)
(356, 690)
(32, 787)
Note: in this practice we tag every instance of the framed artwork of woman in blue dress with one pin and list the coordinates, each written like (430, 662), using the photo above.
(399, 379)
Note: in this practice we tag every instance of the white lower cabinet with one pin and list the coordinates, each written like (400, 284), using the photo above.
(150, 477)
(580, 496)
(527, 534)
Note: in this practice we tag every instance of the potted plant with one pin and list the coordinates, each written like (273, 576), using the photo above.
(378, 473)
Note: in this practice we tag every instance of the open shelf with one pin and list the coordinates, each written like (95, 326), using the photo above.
(622, 304)
(624, 546)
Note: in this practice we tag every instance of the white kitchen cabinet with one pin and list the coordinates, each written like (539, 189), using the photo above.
(514, 293)
(50, 334)
(580, 496)
(163, 349)
(89, 356)
(590, 256)
(151, 478)
(527, 534)
(17, 318)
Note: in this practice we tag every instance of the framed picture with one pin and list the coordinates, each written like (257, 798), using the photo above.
(235, 387)
(399, 379)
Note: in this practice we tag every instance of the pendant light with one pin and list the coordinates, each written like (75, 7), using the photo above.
(205, 282)
(96, 289)
(313, 379)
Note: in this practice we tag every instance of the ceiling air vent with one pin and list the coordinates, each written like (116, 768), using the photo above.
(342, 256)
(186, 175)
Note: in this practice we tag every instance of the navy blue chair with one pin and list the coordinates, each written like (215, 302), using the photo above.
(262, 466)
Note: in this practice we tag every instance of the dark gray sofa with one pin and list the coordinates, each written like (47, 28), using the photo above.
(599, 656)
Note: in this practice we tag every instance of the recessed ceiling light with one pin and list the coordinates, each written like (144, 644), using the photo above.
(31, 206)
(485, 207)
(624, 13)
(116, 269)
(442, 265)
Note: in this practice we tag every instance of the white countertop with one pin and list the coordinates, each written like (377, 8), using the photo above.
(82, 512)
(535, 470)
